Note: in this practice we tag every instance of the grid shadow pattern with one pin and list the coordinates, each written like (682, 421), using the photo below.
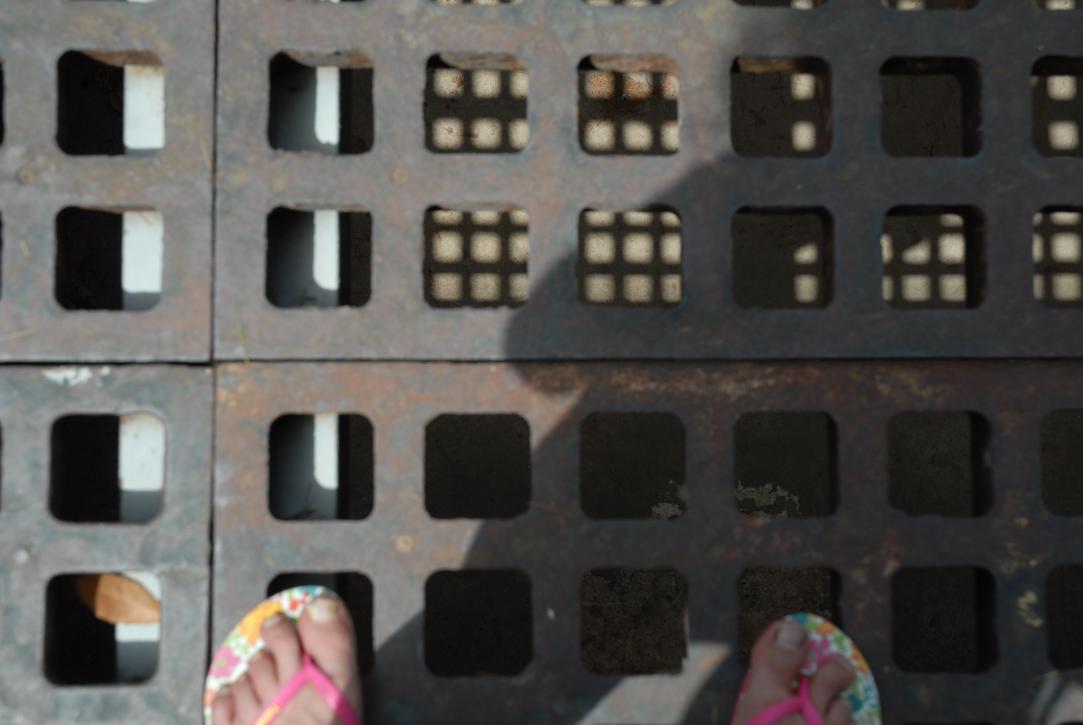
(476, 258)
(629, 257)
(476, 104)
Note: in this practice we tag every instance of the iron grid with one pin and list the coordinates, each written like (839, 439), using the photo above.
(554, 179)
(865, 541)
(35, 546)
(38, 179)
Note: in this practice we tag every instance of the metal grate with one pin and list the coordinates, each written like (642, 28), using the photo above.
(753, 490)
(107, 114)
(77, 471)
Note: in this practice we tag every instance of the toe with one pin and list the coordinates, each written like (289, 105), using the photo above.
(839, 713)
(832, 678)
(327, 636)
(776, 661)
(283, 645)
(222, 707)
(246, 707)
(261, 673)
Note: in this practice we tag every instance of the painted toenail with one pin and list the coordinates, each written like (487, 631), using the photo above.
(790, 635)
(323, 610)
(272, 621)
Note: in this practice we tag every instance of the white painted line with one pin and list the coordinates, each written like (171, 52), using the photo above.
(142, 235)
(137, 644)
(327, 91)
(142, 466)
(144, 107)
(325, 450)
(325, 271)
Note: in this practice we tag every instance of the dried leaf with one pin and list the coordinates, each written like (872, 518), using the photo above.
(116, 599)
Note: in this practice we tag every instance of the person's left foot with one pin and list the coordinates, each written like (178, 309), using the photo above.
(776, 662)
(325, 632)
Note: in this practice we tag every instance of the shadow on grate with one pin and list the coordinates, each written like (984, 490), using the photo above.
(943, 619)
(930, 107)
(630, 258)
(938, 464)
(785, 464)
(782, 258)
(321, 467)
(780, 107)
(934, 257)
(477, 466)
(478, 622)
(354, 589)
(1062, 461)
(321, 102)
(765, 594)
(107, 468)
(633, 621)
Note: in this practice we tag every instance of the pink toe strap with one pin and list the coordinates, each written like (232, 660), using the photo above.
(310, 674)
(799, 703)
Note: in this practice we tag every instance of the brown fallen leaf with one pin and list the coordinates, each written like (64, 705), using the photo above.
(116, 599)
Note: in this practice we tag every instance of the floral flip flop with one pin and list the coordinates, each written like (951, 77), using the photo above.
(825, 639)
(242, 644)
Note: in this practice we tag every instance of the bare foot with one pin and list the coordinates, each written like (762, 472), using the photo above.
(325, 632)
(776, 660)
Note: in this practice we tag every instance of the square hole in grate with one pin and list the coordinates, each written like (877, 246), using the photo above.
(785, 464)
(1064, 629)
(933, 257)
(1057, 105)
(930, 107)
(782, 258)
(108, 259)
(628, 104)
(476, 258)
(794, 4)
(943, 619)
(1058, 256)
(110, 103)
(90, 639)
(321, 102)
(937, 463)
(319, 257)
(1060, 4)
(321, 467)
(630, 258)
(780, 107)
(1062, 462)
(478, 622)
(354, 589)
(632, 466)
(931, 4)
(765, 594)
(630, 3)
(476, 104)
(106, 467)
(477, 466)
(476, 2)
(633, 621)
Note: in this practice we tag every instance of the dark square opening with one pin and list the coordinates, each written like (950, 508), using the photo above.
(632, 466)
(91, 102)
(87, 456)
(81, 649)
(478, 622)
(1064, 613)
(319, 258)
(477, 466)
(1058, 256)
(633, 621)
(785, 464)
(937, 464)
(321, 467)
(1062, 462)
(934, 257)
(782, 258)
(930, 107)
(354, 589)
(931, 4)
(628, 105)
(630, 258)
(108, 259)
(780, 107)
(1057, 105)
(476, 257)
(942, 619)
(476, 104)
(321, 102)
(765, 594)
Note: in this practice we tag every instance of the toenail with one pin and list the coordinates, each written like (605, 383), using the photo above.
(846, 665)
(790, 635)
(272, 621)
(323, 610)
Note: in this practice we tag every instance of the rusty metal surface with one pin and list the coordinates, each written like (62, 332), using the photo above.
(865, 541)
(37, 180)
(553, 178)
(34, 546)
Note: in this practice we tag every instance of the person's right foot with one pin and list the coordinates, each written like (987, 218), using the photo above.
(776, 663)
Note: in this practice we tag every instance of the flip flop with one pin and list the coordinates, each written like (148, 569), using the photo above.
(242, 644)
(825, 639)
